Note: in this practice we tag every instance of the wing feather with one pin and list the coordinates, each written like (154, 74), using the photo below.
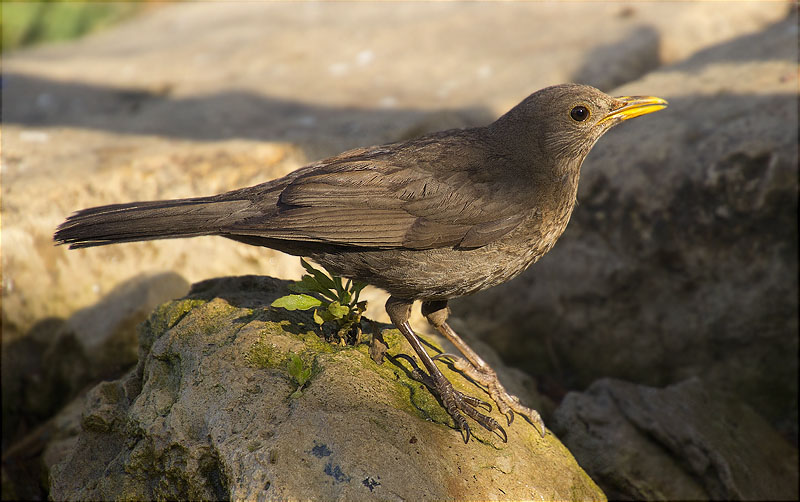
(375, 198)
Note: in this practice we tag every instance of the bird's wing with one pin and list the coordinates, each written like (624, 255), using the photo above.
(371, 202)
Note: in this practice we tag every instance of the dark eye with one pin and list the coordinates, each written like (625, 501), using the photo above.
(579, 113)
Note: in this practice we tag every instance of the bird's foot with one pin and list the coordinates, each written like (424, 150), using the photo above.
(507, 403)
(459, 404)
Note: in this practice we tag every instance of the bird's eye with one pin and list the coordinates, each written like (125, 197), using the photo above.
(579, 113)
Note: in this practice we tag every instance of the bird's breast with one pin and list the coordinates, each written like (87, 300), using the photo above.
(444, 273)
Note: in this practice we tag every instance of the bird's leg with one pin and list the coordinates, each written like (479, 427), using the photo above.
(476, 368)
(454, 402)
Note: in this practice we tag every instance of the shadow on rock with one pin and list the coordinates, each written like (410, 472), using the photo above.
(58, 359)
(684, 442)
(609, 66)
(224, 115)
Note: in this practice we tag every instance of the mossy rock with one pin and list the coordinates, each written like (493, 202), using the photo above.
(215, 411)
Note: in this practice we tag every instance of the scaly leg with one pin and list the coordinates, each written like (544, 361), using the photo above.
(454, 402)
(476, 368)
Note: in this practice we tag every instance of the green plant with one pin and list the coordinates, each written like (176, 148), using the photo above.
(300, 372)
(28, 23)
(332, 299)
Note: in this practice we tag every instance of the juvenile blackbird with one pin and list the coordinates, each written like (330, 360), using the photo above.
(441, 216)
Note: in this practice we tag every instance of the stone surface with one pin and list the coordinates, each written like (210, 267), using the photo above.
(46, 281)
(683, 442)
(58, 359)
(681, 257)
(27, 462)
(211, 412)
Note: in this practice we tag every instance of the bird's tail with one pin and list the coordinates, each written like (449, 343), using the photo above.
(141, 221)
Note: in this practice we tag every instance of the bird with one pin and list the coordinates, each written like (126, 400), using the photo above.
(429, 219)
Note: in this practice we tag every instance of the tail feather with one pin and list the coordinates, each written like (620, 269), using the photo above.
(141, 221)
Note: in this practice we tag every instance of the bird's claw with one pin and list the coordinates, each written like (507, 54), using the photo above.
(475, 402)
(445, 355)
(507, 404)
(463, 426)
(505, 436)
(508, 407)
(456, 403)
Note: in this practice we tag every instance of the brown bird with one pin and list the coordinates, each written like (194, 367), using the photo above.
(441, 216)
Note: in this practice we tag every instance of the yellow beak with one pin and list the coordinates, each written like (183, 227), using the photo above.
(634, 106)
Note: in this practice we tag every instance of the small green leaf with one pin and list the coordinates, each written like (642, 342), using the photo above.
(307, 266)
(308, 284)
(357, 287)
(294, 365)
(298, 370)
(332, 298)
(337, 283)
(297, 302)
(338, 310)
(297, 287)
(325, 315)
(320, 276)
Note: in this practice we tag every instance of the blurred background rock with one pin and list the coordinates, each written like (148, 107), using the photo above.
(680, 261)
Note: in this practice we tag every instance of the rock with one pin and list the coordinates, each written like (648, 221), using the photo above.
(57, 359)
(54, 362)
(681, 258)
(27, 462)
(610, 65)
(211, 412)
(106, 332)
(47, 281)
(683, 442)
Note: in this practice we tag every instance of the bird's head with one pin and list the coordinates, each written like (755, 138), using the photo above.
(560, 124)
